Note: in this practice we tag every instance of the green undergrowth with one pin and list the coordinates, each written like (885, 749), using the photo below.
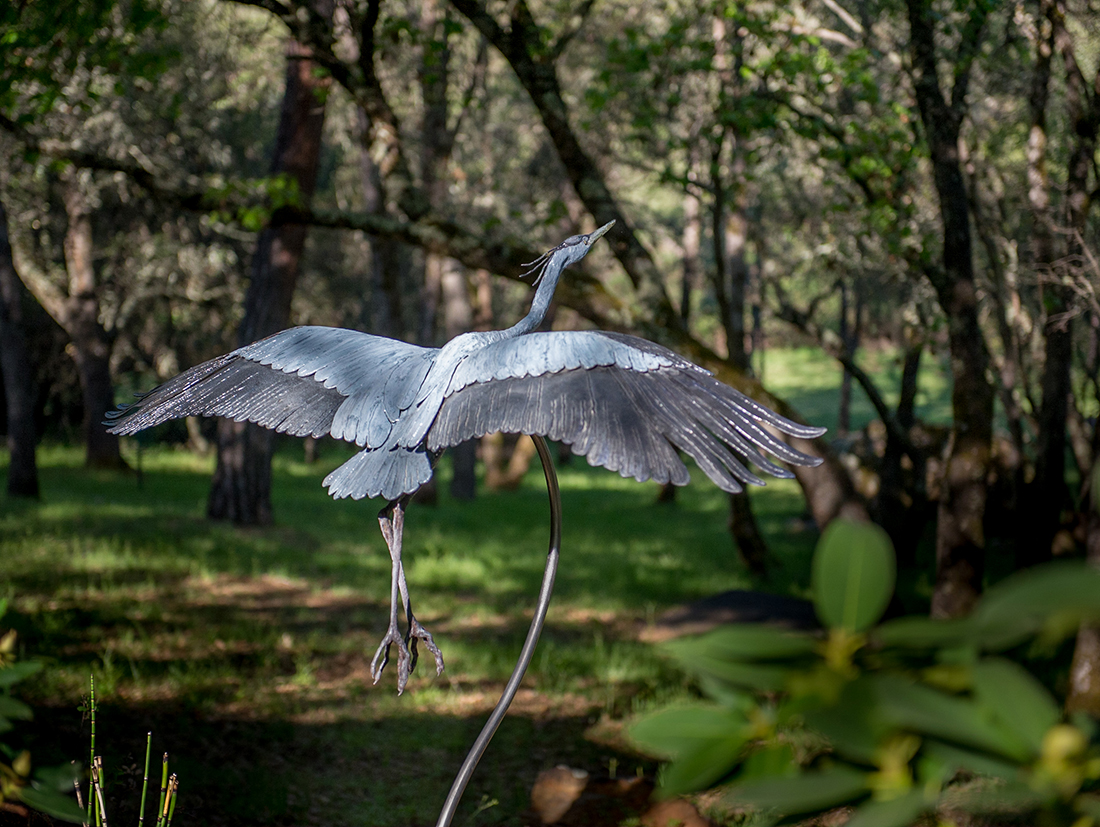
(199, 630)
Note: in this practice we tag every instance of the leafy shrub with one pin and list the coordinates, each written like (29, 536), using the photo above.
(48, 788)
(897, 718)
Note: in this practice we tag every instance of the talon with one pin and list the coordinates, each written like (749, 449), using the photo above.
(418, 632)
(382, 658)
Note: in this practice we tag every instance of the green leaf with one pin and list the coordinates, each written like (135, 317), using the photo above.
(896, 812)
(16, 672)
(59, 778)
(772, 761)
(1016, 698)
(700, 657)
(680, 729)
(11, 708)
(916, 632)
(747, 642)
(852, 725)
(1054, 597)
(804, 793)
(52, 804)
(927, 711)
(949, 759)
(701, 767)
(764, 678)
(704, 741)
(853, 575)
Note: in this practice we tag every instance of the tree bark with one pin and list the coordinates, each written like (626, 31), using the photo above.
(746, 534)
(960, 537)
(15, 364)
(458, 318)
(91, 343)
(241, 489)
(1048, 491)
(1084, 113)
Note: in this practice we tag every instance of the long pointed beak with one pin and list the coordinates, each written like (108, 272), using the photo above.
(592, 239)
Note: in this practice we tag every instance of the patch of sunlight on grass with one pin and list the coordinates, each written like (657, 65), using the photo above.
(809, 379)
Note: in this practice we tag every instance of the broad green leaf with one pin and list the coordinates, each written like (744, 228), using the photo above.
(701, 767)
(916, 632)
(896, 812)
(52, 804)
(772, 761)
(59, 778)
(747, 642)
(1016, 698)
(700, 658)
(925, 711)
(852, 725)
(678, 730)
(10, 675)
(853, 575)
(11, 708)
(804, 793)
(1029, 601)
(949, 759)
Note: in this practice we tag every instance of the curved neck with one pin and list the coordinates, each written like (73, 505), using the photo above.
(548, 282)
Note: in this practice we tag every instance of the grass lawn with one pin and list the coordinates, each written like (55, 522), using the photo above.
(247, 651)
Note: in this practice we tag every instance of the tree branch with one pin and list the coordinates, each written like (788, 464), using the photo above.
(830, 342)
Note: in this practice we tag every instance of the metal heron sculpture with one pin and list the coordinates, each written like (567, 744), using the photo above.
(622, 402)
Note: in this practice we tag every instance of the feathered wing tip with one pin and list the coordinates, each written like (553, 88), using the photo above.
(632, 422)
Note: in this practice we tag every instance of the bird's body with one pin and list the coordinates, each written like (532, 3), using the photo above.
(624, 403)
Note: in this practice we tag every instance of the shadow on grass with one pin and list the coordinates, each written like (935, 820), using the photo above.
(391, 771)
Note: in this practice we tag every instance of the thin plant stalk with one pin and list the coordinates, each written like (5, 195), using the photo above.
(173, 786)
(79, 792)
(101, 813)
(163, 790)
(93, 815)
(145, 778)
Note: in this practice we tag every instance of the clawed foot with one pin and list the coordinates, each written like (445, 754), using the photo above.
(405, 659)
(418, 632)
(406, 653)
(391, 521)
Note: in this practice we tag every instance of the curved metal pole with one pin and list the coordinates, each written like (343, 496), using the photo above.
(490, 728)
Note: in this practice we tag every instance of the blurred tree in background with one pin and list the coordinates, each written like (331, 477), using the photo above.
(917, 178)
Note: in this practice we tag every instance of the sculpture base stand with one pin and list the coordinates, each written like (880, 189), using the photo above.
(499, 711)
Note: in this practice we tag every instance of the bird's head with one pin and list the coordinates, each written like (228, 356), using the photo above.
(570, 251)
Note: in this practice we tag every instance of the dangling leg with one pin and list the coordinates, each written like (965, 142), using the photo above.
(393, 633)
(415, 630)
(391, 520)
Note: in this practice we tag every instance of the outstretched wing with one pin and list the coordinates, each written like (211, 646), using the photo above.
(307, 381)
(628, 410)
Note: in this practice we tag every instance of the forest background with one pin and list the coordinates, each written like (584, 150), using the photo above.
(914, 179)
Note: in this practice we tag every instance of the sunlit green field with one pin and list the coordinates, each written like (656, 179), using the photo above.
(247, 651)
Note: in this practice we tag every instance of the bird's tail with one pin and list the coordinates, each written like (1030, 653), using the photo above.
(389, 472)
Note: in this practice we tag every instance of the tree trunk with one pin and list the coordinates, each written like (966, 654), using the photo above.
(15, 364)
(1084, 113)
(960, 537)
(1048, 491)
(693, 231)
(902, 503)
(746, 534)
(91, 344)
(241, 489)
(458, 318)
